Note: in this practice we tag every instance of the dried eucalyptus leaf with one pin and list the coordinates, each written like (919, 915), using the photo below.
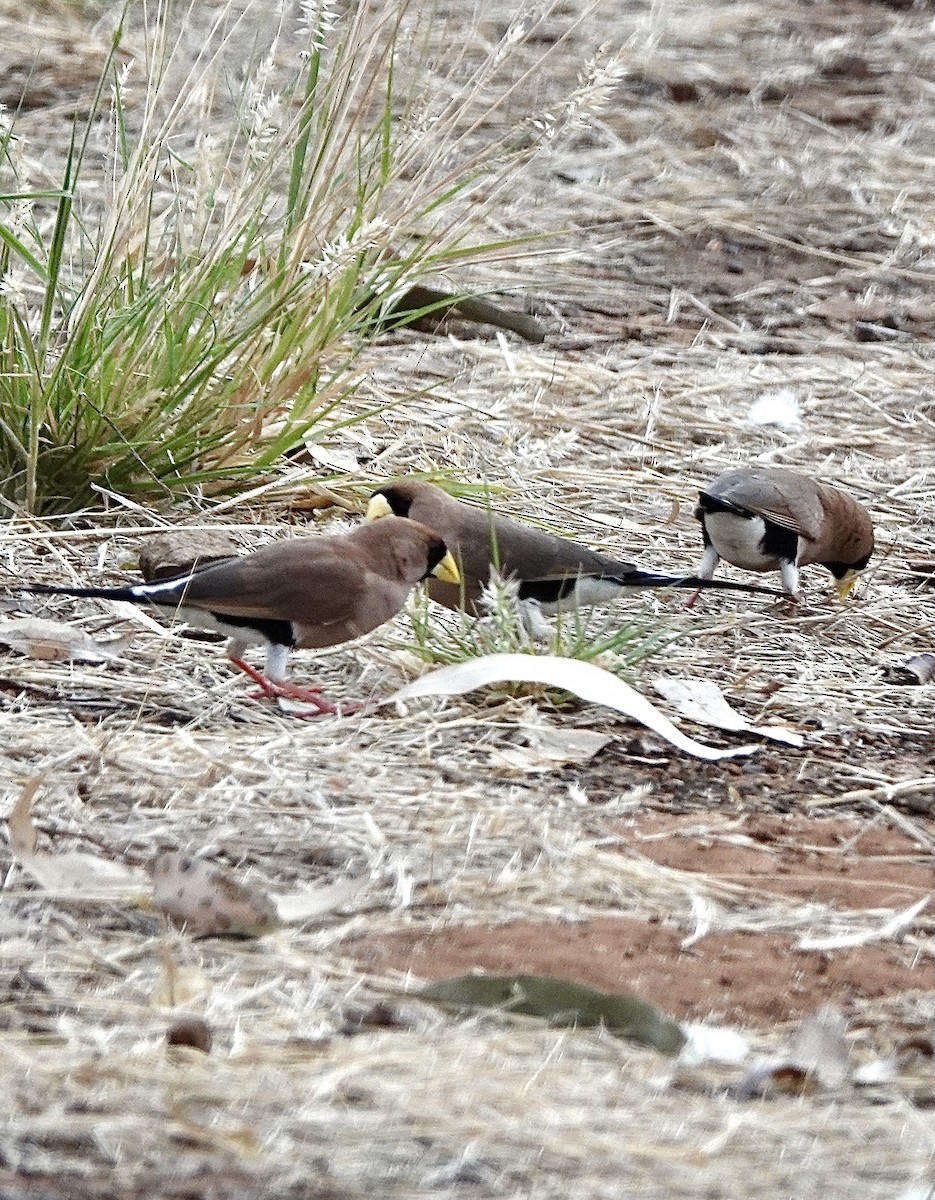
(582, 679)
(53, 641)
(820, 1046)
(702, 701)
(73, 874)
(179, 550)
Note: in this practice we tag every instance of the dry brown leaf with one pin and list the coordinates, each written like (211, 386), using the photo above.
(23, 835)
(53, 641)
(179, 550)
(74, 874)
(819, 1058)
(549, 748)
(206, 900)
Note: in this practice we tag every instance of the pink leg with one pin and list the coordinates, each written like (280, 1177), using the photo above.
(270, 689)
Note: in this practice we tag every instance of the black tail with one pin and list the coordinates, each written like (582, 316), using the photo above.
(99, 593)
(651, 579)
(552, 591)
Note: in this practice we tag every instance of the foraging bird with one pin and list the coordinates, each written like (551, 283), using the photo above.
(553, 571)
(427, 307)
(299, 594)
(768, 519)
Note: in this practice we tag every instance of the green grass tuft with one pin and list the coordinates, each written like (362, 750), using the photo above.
(589, 635)
(178, 323)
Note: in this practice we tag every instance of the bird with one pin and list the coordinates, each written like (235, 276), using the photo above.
(551, 571)
(770, 518)
(304, 593)
(427, 307)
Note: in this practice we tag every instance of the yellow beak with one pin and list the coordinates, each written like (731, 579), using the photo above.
(378, 507)
(845, 585)
(447, 570)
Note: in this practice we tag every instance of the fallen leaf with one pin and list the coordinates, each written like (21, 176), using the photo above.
(549, 747)
(703, 702)
(54, 641)
(584, 680)
(819, 1058)
(206, 900)
(74, 874)
(78, 875)
(330, 458)
(305, 904)
(176, 551)
(178, 985)
(561, 1002)
(820, 1046)
(23, 835)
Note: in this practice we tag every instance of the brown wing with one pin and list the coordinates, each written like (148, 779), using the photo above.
(534, 553)
(519, 551)
(783, 497)
(307, 580)
(477, 538)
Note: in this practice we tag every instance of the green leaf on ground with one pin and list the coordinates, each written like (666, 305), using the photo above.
(561, 1002)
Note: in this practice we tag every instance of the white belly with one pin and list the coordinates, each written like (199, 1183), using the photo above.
(737, 540)
(197, 618)
(586, 591)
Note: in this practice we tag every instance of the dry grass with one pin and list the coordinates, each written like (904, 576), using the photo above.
(814, 182)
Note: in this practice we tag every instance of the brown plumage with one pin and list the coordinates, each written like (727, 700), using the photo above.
(300, 594)
(550, 570)
(773, 519)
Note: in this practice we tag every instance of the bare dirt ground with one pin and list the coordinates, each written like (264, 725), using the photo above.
(751, 216)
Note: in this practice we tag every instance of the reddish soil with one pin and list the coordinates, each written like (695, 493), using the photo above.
(745, 978)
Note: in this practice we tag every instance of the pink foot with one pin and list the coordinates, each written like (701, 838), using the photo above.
(271, 689)
(308, 695)
(313, 696)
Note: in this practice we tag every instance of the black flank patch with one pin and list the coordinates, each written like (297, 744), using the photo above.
(780, 543)
(547, 591)
(277, 633)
